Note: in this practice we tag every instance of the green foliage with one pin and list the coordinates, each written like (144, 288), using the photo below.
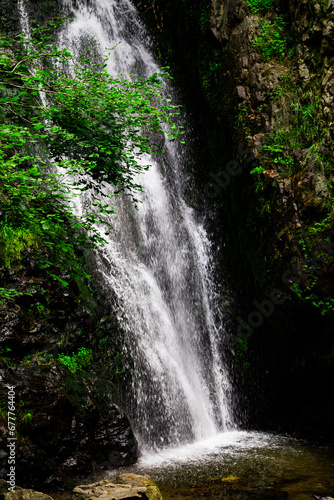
(258, 171)
(326, 305)
(278, 152)
(10, 294)
(39, 310)
(308, 293)
(26, 418)
(14, 239)
(271, 40)
(304, 112)
(4, 355)
(110, 355)
(103, 342)
(39, 357)
(319, 227)
(79, 361)
(204, 16)
(260, 5)
(304, 132)
(95, 127)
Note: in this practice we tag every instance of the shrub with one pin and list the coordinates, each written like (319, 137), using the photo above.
(79, 361)
(271, 40)
(260, 5)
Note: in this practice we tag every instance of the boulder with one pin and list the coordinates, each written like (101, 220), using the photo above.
(125, 486)
(20, 494)
(152, 490)
(26, 495)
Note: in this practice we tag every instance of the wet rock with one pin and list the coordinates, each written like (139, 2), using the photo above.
(67, 422)
(72, 430)
(127, 486)
(152, 490)
(106, 490)
(22, 494)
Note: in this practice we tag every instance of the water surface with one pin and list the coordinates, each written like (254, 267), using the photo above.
(240, 465)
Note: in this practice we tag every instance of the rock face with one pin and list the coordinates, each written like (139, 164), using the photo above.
(127, 486)
(264, 146)
(67, 420)
(71, 429)
(59, 350)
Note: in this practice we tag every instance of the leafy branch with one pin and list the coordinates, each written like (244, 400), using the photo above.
(94, 127)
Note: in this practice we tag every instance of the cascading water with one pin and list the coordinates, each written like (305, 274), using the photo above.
(158, 265)
(157, 268)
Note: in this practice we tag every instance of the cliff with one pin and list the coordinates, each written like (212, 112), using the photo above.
(257, 77)
(61, 366)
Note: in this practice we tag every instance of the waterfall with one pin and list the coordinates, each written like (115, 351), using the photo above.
(158, 267)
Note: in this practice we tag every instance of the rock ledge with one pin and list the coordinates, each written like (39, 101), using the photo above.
(125, 486)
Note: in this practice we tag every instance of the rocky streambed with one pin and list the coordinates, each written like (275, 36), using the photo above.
(124, 486)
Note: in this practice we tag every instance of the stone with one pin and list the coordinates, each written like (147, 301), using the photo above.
(304, 72)
(26, 495)
(125, 486)
(241, 92)
(328, 30)
(260, 96)
(4, 487)
(152, 491)
(107, 490)
(20, 494)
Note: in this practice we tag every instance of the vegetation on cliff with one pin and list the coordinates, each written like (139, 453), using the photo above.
(66, 127)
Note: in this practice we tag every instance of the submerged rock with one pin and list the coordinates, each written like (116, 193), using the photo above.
(230, 479)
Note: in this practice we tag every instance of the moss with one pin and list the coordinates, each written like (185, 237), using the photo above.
(13, 241)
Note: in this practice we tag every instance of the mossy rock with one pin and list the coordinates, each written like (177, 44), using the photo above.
(152, 491)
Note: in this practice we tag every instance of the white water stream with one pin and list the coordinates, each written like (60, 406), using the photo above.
(158, 265)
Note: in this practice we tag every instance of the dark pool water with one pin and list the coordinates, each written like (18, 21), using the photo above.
(239, 466)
